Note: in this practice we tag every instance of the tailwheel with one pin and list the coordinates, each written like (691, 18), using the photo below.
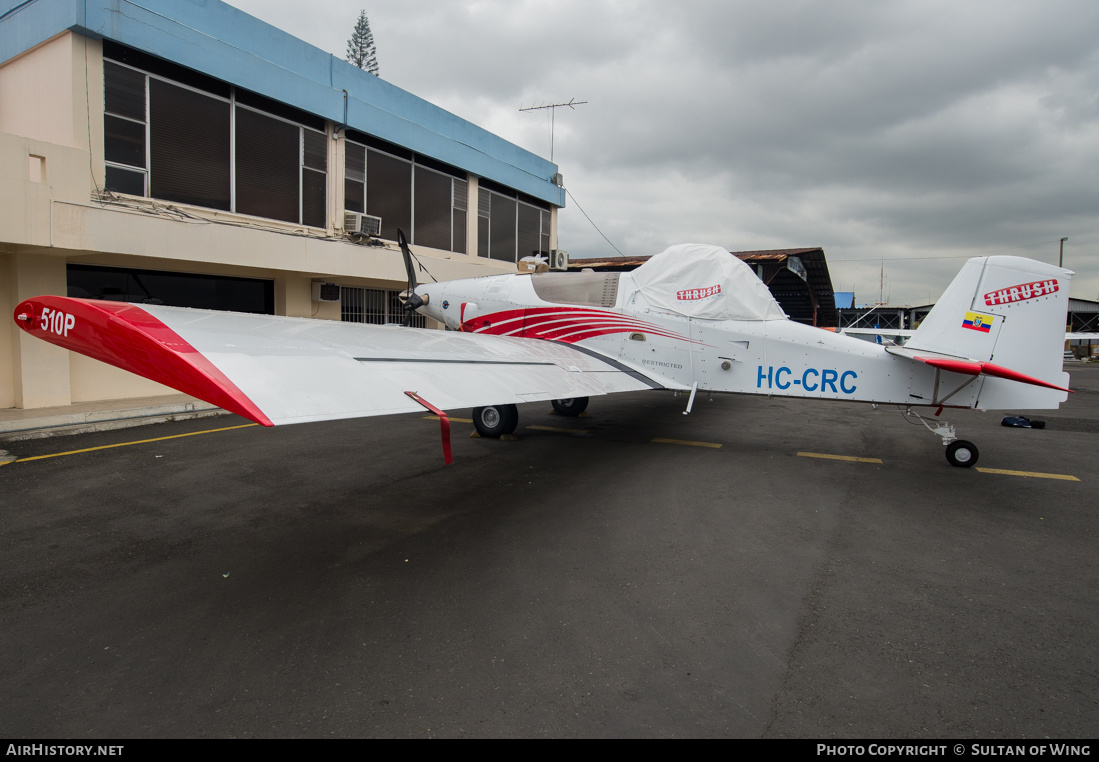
(495, 421)
(571, 407)
(961, 453)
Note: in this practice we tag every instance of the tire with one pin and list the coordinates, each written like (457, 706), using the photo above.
(495, 420)
(571, 407)
(961, 453)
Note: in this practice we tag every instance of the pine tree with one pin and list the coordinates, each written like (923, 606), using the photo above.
(360, 48)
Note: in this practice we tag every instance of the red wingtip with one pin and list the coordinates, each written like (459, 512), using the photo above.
(128, 337)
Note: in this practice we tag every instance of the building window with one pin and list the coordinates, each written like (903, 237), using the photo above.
(501, 236)
(458, 212)
(180, 143)
(188, 146)
(175, 134)
(427, 203)
(267, 166)
(374, 305)
(207, 292)
(354, 177)
(532, 231)
(439, 219)
(124, 121)
(389, 193)
(314, 177)
(509, 228)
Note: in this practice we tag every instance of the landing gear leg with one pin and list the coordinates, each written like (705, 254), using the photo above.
(959, 452)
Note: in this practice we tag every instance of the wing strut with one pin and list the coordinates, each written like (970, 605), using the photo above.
(444, 425)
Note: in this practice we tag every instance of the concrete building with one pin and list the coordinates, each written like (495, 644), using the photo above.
(190, 154)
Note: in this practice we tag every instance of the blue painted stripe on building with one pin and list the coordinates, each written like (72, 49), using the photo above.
(27, 23)
(224, 42)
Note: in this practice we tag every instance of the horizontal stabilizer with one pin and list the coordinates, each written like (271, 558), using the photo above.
(976, 368)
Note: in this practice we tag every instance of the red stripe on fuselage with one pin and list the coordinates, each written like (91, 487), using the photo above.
(566, 324)
(128, 337)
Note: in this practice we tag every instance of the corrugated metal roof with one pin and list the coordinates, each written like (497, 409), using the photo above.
(608, 263)
(764, 254)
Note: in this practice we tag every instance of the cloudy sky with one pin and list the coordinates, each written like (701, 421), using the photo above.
(911, 132)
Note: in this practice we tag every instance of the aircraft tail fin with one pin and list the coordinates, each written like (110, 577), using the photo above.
(1009, 312)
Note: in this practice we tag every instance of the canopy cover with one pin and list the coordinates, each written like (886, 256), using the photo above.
(702, 281)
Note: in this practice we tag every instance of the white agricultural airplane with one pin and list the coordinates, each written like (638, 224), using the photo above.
(693, 318)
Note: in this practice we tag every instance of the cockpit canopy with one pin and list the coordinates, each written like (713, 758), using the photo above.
(588, 289)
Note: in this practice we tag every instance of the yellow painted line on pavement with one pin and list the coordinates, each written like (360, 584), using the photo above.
(1035, 474)
(714, 445)
(559, 429)
(849, 458)
(459, 420)
(127, 444)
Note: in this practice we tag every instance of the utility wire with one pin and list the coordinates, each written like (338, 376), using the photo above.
(422, 268)
(592, 223)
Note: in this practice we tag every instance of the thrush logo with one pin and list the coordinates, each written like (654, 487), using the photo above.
(1021, 292)
(694, 294)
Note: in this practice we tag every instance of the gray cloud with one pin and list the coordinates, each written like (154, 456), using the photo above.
(918, 131)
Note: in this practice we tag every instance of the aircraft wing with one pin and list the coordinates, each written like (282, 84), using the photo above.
(277, 370)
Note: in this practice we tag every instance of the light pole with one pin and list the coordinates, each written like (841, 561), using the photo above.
(1061, 259)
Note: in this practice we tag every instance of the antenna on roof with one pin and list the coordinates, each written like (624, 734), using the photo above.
(573, 103)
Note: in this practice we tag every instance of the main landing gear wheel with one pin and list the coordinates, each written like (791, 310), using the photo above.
(961, 453)
(496, 420)
(571, 407)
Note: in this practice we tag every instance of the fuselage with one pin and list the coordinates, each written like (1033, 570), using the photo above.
(606, 313)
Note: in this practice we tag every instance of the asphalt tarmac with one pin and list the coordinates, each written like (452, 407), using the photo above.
(338, 580)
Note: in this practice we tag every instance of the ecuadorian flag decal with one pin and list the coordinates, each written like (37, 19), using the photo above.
(978, 322)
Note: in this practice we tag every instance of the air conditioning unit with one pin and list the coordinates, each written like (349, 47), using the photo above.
(326, 292)
(362, 224)
(558, 259)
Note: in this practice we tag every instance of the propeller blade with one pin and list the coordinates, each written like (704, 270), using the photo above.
(411, 271)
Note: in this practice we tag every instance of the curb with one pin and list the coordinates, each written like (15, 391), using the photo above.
(103, 420)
